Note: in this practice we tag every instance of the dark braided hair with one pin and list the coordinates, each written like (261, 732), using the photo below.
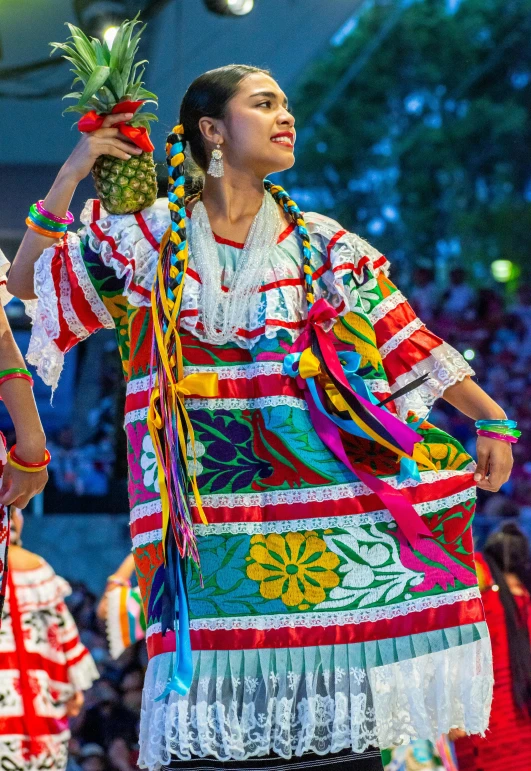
(507, 551)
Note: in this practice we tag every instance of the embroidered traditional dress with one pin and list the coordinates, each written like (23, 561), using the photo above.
(316, 626)
(42, 664)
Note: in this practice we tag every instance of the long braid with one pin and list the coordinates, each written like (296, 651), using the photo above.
(169, 425)
(291, 208)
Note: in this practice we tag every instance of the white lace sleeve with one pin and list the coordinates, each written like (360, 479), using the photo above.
(445, 367)
(5, 297)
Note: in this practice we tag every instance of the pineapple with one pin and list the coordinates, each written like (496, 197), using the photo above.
(110, 77)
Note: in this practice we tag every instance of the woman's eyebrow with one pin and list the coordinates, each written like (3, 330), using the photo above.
(270, 95)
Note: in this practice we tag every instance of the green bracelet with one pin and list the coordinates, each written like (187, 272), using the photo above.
(15, 370)
(45, 222)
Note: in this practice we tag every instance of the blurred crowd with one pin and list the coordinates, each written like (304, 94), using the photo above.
(493, 330)
(105, 734)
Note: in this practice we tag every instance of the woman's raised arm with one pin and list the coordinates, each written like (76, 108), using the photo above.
(105, 141)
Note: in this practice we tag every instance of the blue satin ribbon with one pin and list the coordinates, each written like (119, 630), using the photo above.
(350, 362)
(183, 668)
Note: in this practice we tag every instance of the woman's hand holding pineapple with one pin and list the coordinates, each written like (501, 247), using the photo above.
(104, 141)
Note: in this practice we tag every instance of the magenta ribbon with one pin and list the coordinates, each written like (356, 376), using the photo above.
(322, 311)
(402, 511)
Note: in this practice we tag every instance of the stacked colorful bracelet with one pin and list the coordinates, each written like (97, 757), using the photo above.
(15, 372)
(41, 221)
(23, 465)
(505, 430)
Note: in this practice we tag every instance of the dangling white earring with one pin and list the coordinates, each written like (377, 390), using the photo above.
(216, 168)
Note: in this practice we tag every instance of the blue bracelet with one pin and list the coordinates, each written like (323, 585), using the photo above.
(505, 423)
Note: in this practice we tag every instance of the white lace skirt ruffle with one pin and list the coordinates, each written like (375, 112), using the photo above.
(319, 699)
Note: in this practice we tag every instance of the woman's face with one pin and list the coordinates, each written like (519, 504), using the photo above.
(258, 129)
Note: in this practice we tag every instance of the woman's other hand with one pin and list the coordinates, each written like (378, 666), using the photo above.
(495, 461)
(19, 487)
(108, 140)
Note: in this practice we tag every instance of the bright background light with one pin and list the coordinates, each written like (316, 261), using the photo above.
(241, 7)
(502, 270)
(469, 354)
(109, 35)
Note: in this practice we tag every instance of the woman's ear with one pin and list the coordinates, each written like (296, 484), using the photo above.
(209, 128)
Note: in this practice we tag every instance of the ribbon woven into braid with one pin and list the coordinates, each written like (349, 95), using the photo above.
(337, 397)
(168, 421)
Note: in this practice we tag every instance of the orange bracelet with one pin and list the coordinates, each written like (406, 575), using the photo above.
(42, 231)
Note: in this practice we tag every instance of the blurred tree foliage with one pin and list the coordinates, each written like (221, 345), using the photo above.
(425, 148)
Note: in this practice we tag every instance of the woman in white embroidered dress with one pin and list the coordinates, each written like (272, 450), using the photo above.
(44, 667)
(320, 627)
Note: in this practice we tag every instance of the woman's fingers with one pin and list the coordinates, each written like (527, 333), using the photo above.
(117, 147)
(483, 461)
(119, 117)
(19, 487)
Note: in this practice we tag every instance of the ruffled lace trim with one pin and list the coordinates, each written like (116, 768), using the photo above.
(322, 699)
(445, 366)
(43, 353)
(124, 248)
(5, 297)
(74, 324)
(87, 287)
(257, 403)
(406, 332)
(40, 587)
(452, 689)
(84, 673)
(386, 306)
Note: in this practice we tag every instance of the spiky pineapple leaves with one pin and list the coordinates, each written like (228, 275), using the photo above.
(108, 75)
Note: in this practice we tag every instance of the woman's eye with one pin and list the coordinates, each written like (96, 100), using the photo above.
(268, 103)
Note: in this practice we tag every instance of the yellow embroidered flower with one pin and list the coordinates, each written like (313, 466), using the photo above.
(296, 567)
(444, 456)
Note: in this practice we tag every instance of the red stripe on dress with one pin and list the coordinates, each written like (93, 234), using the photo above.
(66, 339)
(33, 725)
(220, 240)
(96, 209)
(415, 349)
(80, 304)
(361, 504)
(100, 235)
(148, 235)
(416, 622)
(264, 288)
(393, 321)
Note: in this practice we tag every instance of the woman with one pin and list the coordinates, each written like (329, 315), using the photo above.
(505, 581)
(44, 668)
(317, 626)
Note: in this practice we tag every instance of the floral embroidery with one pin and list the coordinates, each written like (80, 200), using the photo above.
(445, 456)
(363, 295)
(296, 567)
(148, 463)
(194, 465)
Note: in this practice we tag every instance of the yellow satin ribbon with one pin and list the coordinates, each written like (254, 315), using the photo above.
(310, 366)
(203, 384)
(200, 384)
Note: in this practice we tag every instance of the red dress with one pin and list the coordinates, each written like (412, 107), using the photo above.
(507, 745)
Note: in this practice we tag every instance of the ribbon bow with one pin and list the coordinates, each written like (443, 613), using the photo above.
(91, 121)
(358, 414)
